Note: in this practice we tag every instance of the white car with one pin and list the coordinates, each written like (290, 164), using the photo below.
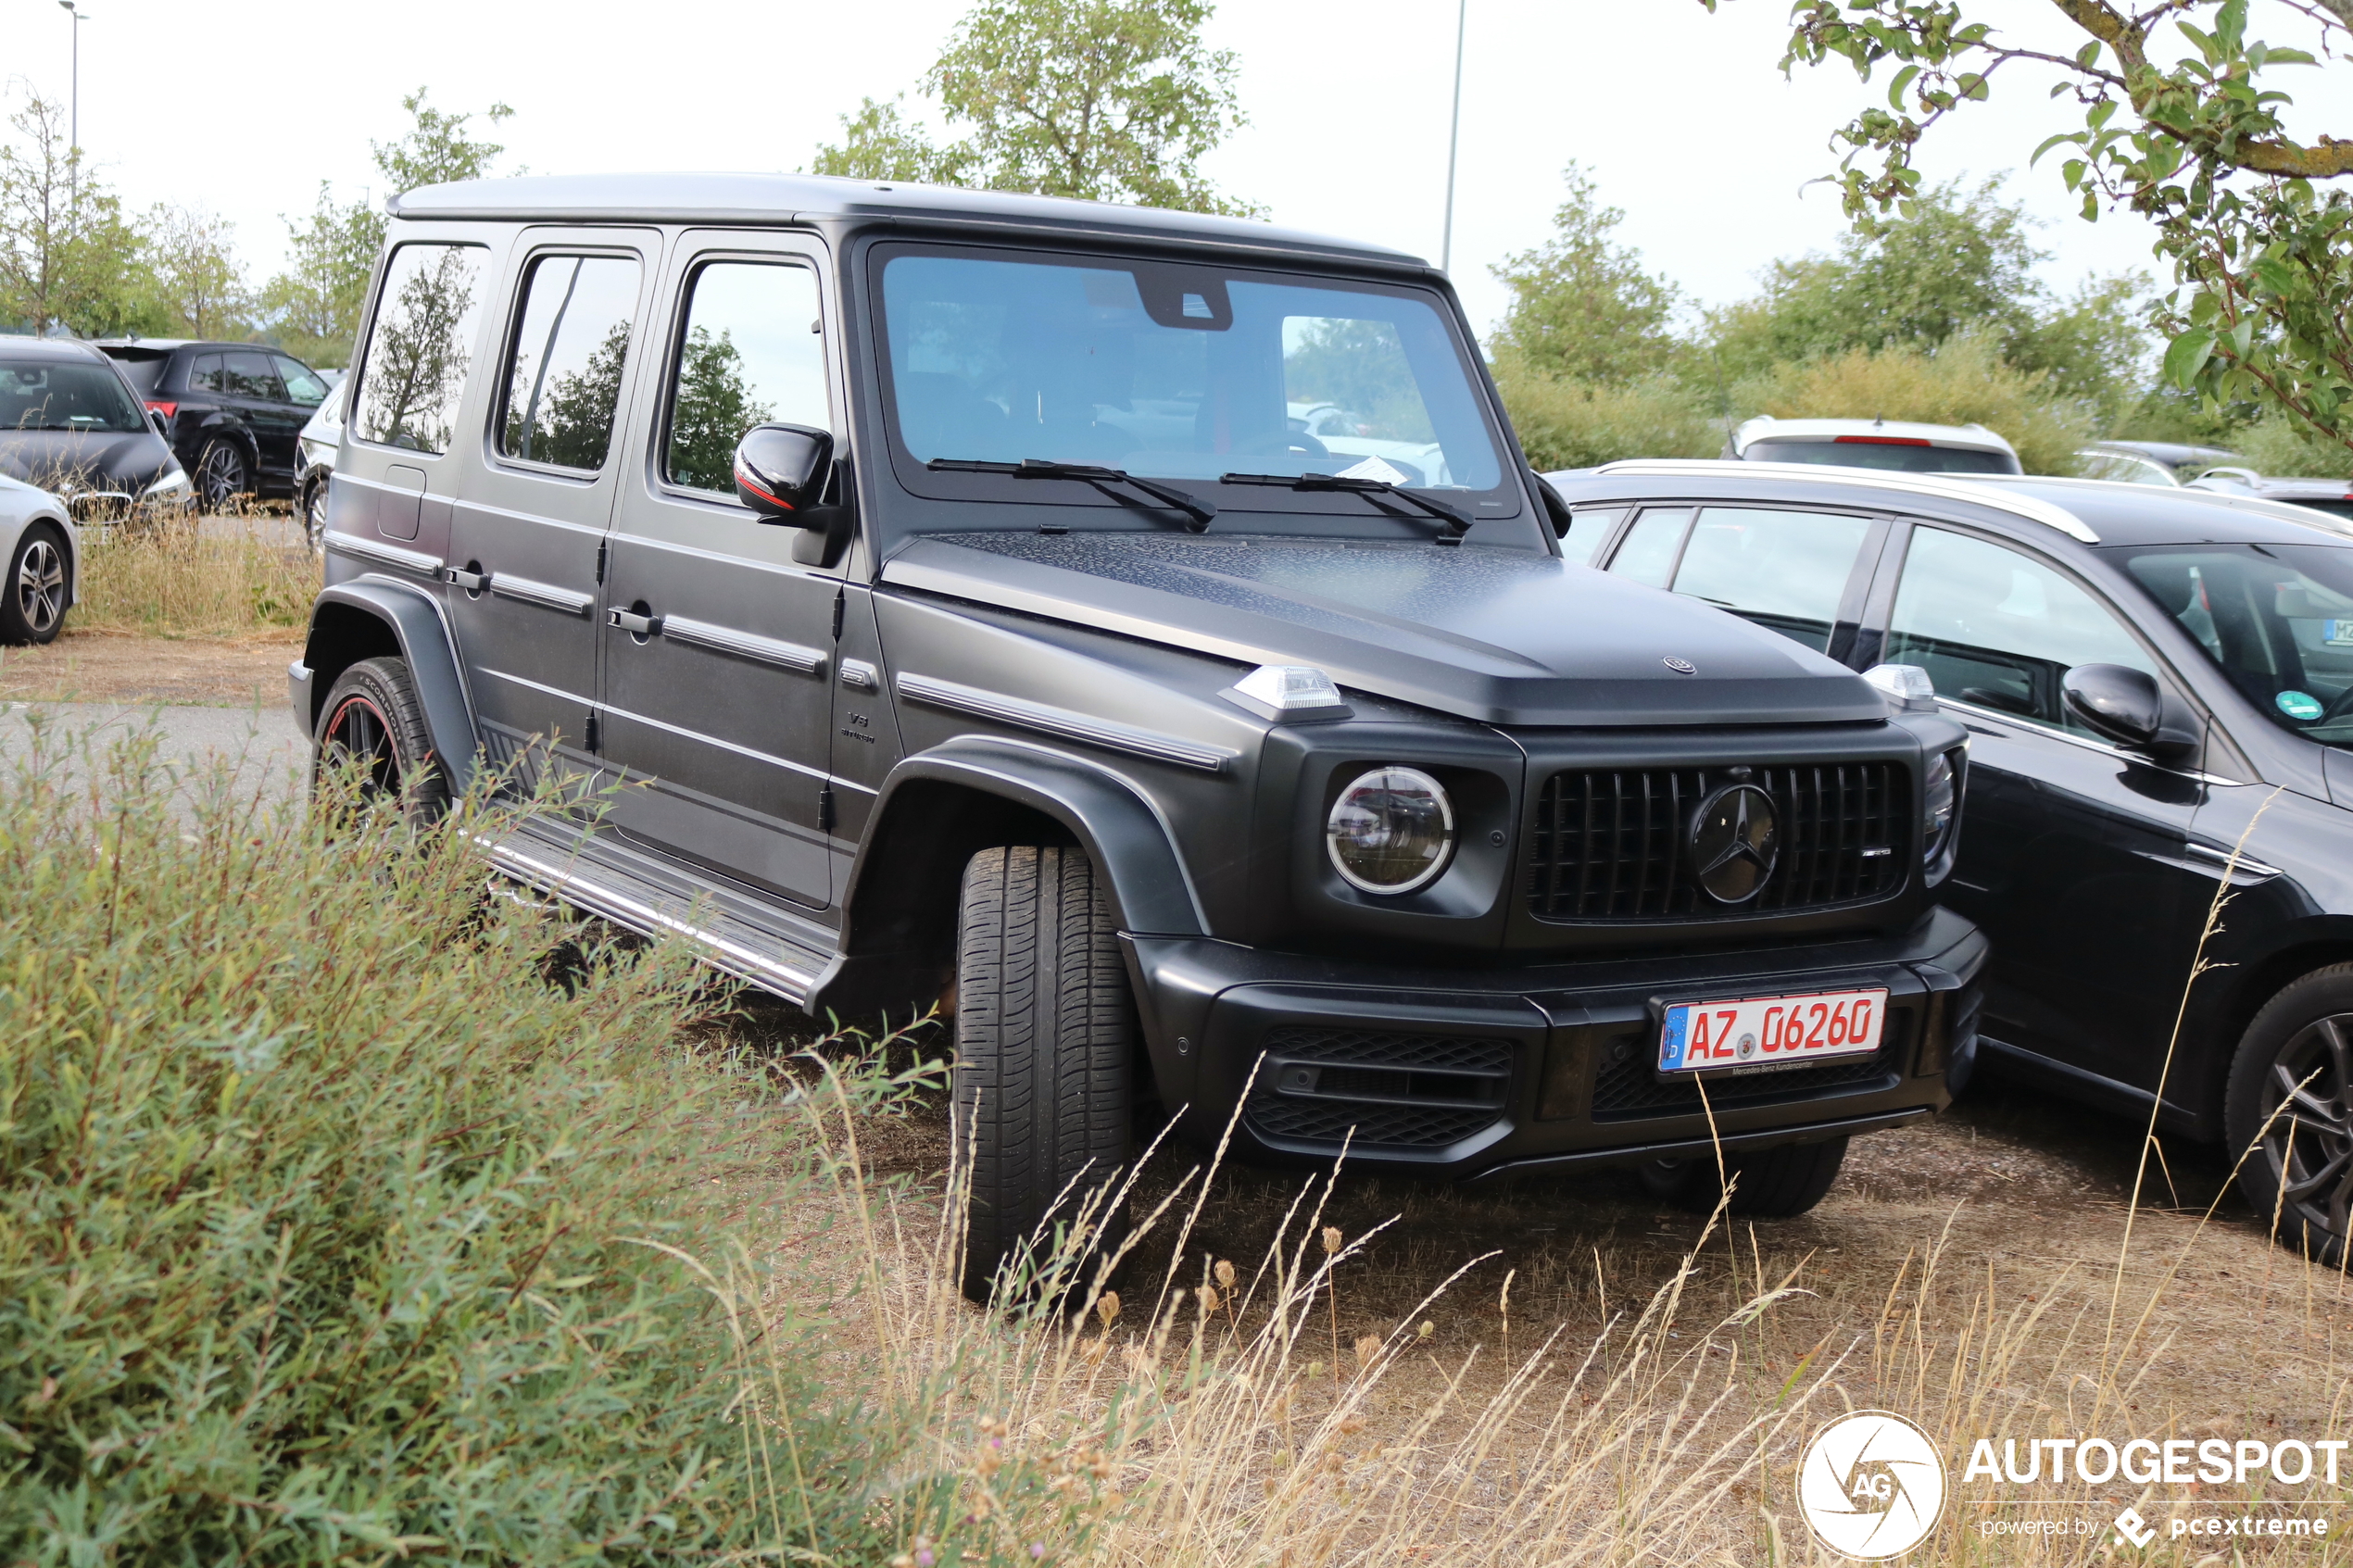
(2120, 466)
(43, 552)
(315, 464)
(1874, 443)
(1345, 433)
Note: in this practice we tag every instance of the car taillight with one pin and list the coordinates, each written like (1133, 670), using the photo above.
(166, 409)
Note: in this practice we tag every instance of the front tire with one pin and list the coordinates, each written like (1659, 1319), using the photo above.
(2289, 1106)
(314, 515)
(1770, 1184)
(38, 588)
(373, 724)
(1045, 1053)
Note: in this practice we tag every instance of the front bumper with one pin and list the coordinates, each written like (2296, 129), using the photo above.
(1472, 1072)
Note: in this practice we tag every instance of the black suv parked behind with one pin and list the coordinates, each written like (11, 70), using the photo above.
(231, 410)
(2159, 689)
(941, 568)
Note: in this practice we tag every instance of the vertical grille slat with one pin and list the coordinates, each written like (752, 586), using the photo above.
(1608, 844)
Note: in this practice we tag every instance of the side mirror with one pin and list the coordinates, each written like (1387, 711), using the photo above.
(2123, 703)
(781, 472)
(1555, 509)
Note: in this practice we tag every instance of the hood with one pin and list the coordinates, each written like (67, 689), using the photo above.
(122, 459)
(1502, 636)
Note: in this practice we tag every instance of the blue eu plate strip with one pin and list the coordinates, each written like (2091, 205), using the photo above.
(1676, 1036)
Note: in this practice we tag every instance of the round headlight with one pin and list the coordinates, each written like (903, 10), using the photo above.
(1391, 831)
(1938, 802)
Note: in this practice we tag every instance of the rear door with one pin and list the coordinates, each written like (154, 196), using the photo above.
(251, 386)
(719, 673)
(527, 532)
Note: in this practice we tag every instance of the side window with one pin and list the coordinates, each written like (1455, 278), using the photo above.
(751, 353)
(1648, 555)
(302, 385)
(1586, 531)
(1997, 629)
(563, 368)
(420, 347)
(1784, 571)
(205, 374)
(248, 374)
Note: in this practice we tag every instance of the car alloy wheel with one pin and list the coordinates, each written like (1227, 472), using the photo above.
(357, 734)
(41, 587)
(220, 475)
(2306, 1137)
(314, 516)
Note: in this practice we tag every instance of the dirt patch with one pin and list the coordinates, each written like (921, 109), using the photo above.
(94, 667)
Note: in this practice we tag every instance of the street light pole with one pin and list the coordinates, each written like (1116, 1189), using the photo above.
(1453, 136)
(73, 11)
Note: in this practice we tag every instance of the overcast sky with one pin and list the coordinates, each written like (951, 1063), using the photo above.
(1684, 118)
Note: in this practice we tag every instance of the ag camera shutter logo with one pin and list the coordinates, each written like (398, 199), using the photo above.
(1871, 1485)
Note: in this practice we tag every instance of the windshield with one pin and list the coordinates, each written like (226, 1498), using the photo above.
(48, 394)
(1180, 371)
(2276, 618)
(1881, 452)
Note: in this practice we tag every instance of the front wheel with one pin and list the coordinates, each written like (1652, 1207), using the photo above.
(373, 726)
(2289, 1106)
(1770, 1184)
(39, 586)
(314, 515)
(1045, 1053)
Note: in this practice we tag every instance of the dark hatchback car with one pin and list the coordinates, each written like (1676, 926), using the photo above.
(939, 570)
(2158, 690)
(70, 425)
(233, 410)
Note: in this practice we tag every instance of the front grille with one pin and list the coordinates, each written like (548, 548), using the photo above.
(1377, 1090)
(1630, 1088)
(1610, 845)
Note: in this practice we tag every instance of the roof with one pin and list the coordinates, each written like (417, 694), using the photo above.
(47, 348)
(776, 199)
(2173, 454)
(1975, 438)
(2092, 511)
(133, 346)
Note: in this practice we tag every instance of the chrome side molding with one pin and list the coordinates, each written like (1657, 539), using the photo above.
(743, 644)
(376, 554)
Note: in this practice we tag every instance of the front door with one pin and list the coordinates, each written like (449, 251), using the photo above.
(527, 537)
(250, 385)
(2073, 855)
(719, 668)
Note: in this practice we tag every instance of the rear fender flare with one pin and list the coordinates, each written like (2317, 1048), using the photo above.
(367, 617)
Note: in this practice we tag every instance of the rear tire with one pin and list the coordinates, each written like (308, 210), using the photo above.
(1770, 1184)
(222, 474)
(372, 722)
(1044, 1074)
(37, 589)
(314, 516)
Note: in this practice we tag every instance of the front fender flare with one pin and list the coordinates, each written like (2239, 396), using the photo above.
(416, 624)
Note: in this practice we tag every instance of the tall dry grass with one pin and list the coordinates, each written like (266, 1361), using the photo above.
(223, 580)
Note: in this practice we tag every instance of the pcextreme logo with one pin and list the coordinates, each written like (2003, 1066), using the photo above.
(1871, 1485)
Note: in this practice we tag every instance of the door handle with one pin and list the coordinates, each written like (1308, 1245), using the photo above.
(636, 625)
(471, 581)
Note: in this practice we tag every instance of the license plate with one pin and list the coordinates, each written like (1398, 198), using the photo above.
(1765, 1033)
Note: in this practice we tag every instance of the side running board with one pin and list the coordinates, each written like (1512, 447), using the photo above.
(752, 941)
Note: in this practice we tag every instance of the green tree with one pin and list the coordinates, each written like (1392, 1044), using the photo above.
(1583, 306)
(69, 259)
(572, 427)
(199, 281)
(715, 407)
(313, 306)
(1108, 100)
(2181, 125)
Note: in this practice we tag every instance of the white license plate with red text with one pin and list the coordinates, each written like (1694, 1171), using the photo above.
(1762, 1033)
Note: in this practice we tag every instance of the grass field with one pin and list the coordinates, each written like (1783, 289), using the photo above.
(230, 578)
(352, 1212)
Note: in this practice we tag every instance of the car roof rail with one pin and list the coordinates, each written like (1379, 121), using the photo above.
(2032, 507)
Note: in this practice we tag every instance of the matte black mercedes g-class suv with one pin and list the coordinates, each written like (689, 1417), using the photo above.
(963, 614)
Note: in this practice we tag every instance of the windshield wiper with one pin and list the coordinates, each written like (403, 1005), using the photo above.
(1457, 525)
(1198, 510)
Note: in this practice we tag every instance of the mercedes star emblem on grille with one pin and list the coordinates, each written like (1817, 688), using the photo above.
(1681, 666)
(1734, 840)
